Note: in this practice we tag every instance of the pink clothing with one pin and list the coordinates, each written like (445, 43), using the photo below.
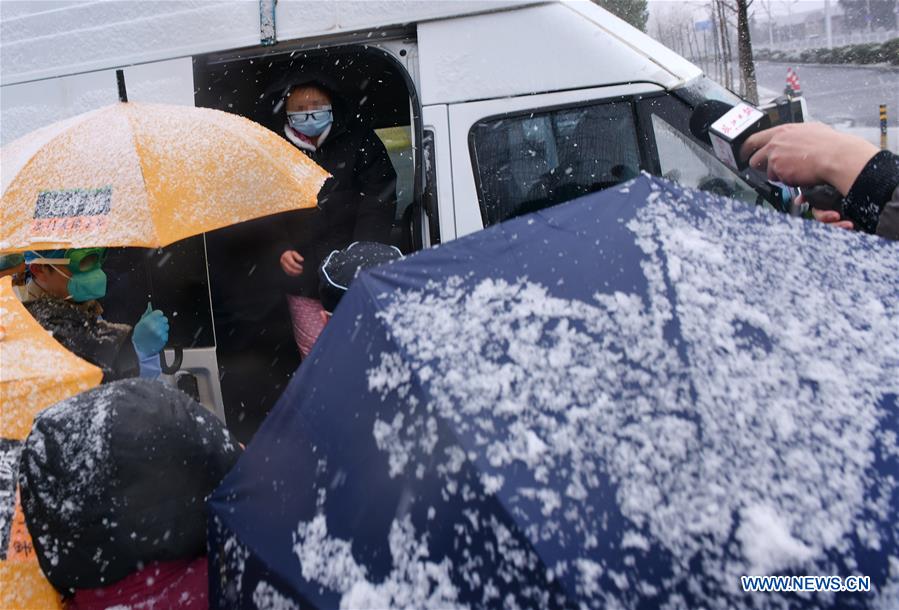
(171, 585)
(305, 314)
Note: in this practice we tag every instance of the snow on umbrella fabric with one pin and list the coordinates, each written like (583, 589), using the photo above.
(35, 372)
(626, 401)
(116, 477)
(146, 175)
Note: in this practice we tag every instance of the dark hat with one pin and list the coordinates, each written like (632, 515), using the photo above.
(291, 81)
(341, 267)
(117, 477)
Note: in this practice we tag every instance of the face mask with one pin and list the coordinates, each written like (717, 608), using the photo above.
(87, 286)
(311, 124)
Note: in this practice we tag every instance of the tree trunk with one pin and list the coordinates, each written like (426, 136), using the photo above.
(725, 45)
(744, 46)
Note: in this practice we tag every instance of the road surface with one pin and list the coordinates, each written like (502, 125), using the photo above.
(839, 95)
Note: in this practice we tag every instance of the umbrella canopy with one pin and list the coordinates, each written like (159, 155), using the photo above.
(146, 175)
(35, 372)
(627, 401)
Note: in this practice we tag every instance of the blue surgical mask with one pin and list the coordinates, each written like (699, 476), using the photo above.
(87, 286)
(311, 123)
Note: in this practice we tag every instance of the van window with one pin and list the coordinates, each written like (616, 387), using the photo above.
(528, 162)
(689, 164)
(398, 142)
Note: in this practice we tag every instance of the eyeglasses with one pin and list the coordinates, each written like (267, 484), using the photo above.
(82, 260)
(315, 115)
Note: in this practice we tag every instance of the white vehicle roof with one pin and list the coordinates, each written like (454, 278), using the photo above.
(41, 40)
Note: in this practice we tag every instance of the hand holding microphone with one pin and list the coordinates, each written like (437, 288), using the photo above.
(808, 154)
(775, 160)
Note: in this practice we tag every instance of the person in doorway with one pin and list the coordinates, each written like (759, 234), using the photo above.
(357, 203)
(75, 276)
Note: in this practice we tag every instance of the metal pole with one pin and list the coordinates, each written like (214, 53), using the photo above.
(120, 79)
(828, 32)
(883, 126)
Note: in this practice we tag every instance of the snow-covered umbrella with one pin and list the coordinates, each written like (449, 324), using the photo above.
(35, 372)
(628, 401)
(146, 175)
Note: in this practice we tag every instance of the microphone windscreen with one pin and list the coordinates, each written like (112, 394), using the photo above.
(704, 115)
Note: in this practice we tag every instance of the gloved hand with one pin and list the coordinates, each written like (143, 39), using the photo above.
(151, 333)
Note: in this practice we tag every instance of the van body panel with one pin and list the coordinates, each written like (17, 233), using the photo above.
(45, 40)
(549, 47)
(640, 42)
(29, 106)
(462, 117)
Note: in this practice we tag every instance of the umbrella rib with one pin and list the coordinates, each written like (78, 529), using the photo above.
(140, 167)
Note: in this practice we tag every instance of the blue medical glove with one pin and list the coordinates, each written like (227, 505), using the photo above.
(151, 333)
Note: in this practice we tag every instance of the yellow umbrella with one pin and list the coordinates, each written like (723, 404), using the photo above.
(35, 373)
(146, 175)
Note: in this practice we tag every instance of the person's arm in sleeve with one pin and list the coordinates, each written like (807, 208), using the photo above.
(285, 229)
(377, 180)
(149, 337)
(150, 367)
(810, 154)
(871, 192)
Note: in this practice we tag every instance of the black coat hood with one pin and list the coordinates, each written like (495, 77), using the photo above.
(116, 477)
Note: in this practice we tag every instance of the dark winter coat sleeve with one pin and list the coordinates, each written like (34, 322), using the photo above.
(871, 191)
(377, 181)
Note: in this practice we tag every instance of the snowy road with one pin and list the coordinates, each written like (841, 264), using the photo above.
(840, 94)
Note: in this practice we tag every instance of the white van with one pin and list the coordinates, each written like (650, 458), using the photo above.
(488, 109)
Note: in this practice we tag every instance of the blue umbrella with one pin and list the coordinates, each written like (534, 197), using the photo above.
(628, 401)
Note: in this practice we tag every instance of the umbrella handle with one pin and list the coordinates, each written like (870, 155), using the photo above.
(176, 363)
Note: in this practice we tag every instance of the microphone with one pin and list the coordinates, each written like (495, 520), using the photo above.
(704, 115)
(726, 127)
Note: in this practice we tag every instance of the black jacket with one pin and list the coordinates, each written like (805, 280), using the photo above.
(872, 203)
(86, 335)
(357, 203)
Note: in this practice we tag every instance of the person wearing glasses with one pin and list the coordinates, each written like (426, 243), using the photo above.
(356, 204)
(73, 279)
